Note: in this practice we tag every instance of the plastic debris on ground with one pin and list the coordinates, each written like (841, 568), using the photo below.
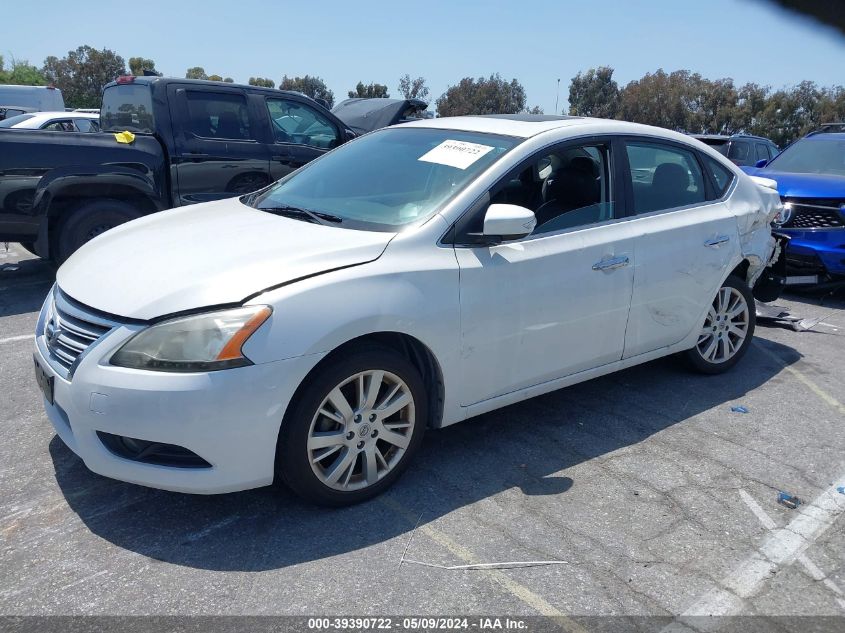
(767, 312)
(739, 409)
(841, 490)
(788, 500)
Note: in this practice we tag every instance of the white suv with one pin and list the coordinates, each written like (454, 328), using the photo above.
(413, 278)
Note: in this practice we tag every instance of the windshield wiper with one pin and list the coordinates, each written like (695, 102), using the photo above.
(317, 217)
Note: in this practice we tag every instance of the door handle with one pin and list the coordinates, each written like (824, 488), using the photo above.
(611, 264)
(717, 241)
(284, 159)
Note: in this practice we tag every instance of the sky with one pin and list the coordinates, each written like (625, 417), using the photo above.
(345, 42)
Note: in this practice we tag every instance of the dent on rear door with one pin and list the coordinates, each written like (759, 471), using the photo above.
(682, 257)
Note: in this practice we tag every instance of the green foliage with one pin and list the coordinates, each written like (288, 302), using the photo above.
(21, 73)
(215, 78)
(482, 96)
(594, 93)
(82, 73)
(370, 91)
(197, 72)
(263, 82)
(137, 65)
(314, 87)
(688, 102)
(413, 88)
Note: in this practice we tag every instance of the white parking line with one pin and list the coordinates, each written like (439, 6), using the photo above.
(12, 339)
(813, 569)
(782, 547)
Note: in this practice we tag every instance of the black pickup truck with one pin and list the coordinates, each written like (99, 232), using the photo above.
(190, 141)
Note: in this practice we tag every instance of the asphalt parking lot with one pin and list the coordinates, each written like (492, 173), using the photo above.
(659, 498)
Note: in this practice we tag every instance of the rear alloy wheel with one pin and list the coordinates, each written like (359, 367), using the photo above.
(727, 330)
(354, 429)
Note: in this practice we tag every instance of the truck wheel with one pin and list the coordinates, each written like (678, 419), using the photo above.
(89, 221)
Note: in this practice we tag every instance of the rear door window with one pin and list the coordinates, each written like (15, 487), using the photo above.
(762, 151)
(219, 115)
(722, 176)
(664, 177)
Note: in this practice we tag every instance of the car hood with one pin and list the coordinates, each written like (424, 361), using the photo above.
(792, 185)
(365, 115)
(206, 255)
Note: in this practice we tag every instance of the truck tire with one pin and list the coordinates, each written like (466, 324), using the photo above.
(88, 221)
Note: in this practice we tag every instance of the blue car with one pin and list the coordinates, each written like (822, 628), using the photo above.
(811, 181)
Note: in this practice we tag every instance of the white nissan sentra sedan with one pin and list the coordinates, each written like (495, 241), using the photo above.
(411, 279)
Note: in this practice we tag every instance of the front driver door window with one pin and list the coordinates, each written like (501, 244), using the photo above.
(554, 303)
(301, 133)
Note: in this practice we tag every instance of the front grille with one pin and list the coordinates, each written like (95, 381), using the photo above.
(812, 213)
(798, 264)
(69, 330)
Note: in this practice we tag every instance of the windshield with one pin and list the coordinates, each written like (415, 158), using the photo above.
(127, 107)
(719, 144)
(11, 121)
(390, 178)
(813, 156)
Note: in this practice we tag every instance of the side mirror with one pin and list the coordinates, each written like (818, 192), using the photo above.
(761, 163)
(504, 222)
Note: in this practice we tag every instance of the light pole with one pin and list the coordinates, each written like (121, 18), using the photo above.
(557, 95)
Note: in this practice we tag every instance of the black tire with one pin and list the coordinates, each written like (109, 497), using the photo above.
(88, 221)
(695, 356)
(293, 458)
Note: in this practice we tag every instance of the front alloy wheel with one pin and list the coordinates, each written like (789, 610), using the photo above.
(727, 329)
(353, 428)
(361, 430)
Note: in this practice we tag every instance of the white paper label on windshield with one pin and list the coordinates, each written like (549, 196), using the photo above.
(458, 154)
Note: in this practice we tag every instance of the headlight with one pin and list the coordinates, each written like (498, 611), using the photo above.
(202, 342)
(783, 216)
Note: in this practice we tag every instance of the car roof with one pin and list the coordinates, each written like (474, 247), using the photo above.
(528, 125)
(727, 137)
(43, 116)
(39, 118)
(819, 136)
(149, 79)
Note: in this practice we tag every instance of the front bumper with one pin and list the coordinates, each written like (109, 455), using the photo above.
(230, 418)
(821, 251)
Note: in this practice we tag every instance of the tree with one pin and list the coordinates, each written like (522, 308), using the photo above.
(137, 66)
(413, 88)
(197, 72)
(314, 87)
(229, 80)
(82, 74)
(262, 81)
(535, 110)
(21, 73)
(594, 93)
(482, 96)
(657, 99)
(370, 91)
(215, 78)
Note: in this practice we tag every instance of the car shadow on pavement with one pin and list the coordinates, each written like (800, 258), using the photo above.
(24, 284)
(526, 447)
